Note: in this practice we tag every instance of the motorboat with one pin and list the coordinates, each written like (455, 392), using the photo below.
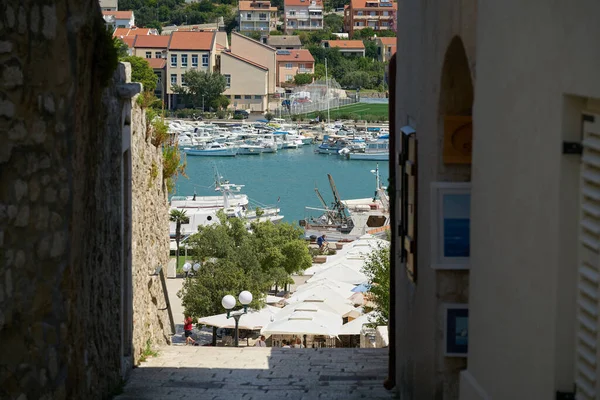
(246, 148)
(214, 149)
(374, 151)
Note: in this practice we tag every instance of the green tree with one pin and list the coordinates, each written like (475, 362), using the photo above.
(233, 259)
(142, 72)
(179, 217)
(303, 79)
(201, 87)
(363, 33)
(377, 270)
(220, 103)
(319, 71)
(333, 22)
(370, 49)
(122, 48)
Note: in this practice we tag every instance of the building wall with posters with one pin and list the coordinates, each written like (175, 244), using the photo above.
(435, 75)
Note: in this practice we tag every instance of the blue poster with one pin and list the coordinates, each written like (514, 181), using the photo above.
(457, 331)
(457, 225)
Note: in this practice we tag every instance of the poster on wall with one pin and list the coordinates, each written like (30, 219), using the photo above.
(451, 225)
(456, 330)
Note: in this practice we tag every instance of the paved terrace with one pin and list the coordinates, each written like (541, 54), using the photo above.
(248, 373)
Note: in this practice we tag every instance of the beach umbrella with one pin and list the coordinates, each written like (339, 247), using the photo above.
(253, 320)
(304, 323)
(363, 287)
(318, 293)
(273, 299)
(341, 288)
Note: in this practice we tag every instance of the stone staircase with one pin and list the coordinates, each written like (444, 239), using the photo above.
(259, 373)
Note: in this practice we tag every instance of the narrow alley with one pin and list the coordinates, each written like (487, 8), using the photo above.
(259, 373)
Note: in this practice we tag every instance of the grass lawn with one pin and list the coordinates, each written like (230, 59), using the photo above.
(357, 110)
(182, 261)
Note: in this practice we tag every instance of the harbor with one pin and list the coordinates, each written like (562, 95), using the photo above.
(286, 179)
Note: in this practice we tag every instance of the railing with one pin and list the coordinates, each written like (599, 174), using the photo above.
(254, 19)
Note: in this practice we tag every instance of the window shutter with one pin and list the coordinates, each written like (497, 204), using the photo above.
(588, 310)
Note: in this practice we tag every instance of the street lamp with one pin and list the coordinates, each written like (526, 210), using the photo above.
(228, 302)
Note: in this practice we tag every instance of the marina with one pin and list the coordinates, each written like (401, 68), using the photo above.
(286, 178)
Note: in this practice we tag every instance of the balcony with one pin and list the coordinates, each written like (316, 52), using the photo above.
(305, 70)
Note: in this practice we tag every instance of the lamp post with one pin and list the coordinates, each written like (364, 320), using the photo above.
(228, 302)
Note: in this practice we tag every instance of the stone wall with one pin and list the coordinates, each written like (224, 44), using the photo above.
(150, 232)
(60, 205)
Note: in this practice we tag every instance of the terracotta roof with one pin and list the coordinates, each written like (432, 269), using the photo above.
(191, 40)
(229, 53)
(282, 40)
(151, 42)
(134, 31)
(128, 40)
(388, 41)
(346, 44)
(253, 6)
(363, 4)
(302, 2)
(301, 55)
(156, 63)
(119, 14)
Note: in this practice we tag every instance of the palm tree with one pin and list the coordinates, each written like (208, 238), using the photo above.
(179, 217)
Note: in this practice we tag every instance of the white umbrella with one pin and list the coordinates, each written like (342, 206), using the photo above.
(273, 299)
(252, 320)
(335, 308)
(304, 323)
(355, 326)
(318, 293)
(341, 273)
(342, 287)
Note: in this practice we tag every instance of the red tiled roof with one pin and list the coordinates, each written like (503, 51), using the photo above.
(191, 40)
(346, 44)
(229, 53)
(363, 4)
(388, 41)
(253, 6)
(151, 42)
(119, 14)
(157, 63)
(133, 31)
(128, 40)
(301, 55)
(302, 2)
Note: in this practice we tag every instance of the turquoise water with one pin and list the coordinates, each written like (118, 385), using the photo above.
(290, 175)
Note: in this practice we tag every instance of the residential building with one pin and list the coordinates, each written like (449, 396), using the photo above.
(214, 26)
(293, 62)
(188, 51)
(257, 16)
(386, 48)
(258, 53)
(159, 66)
(135, 31)
(283, 42)
(119, 19)
(303, 15)
(151, 46)
(376, 14)
(247, 82)
(355, 48)
(496, 141)
(109, 5)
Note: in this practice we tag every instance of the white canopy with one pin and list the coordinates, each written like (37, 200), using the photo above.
(341, 272)
(355, 326)
(322, 287)
(318, 293)
(336, 307)
(305, 323)
(253, 320)
(273, 299)
(342, 287)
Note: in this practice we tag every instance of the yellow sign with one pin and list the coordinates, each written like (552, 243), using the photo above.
(458, 139)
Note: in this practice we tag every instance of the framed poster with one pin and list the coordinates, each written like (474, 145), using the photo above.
(456, 330)
(450, 225)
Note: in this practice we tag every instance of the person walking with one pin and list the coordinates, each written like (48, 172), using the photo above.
(187, 330)
(298, 344)
(261, 342)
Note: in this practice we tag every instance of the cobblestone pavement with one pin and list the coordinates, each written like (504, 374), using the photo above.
(259, 373)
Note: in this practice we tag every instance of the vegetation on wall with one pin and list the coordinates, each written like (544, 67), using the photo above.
(377, 269)
(142, 72)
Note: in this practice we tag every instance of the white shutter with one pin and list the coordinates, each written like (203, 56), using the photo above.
(588, 309)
